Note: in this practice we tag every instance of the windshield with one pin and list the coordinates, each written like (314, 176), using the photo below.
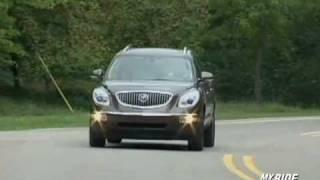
(153, 68)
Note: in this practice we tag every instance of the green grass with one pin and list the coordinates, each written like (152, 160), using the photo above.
(36, 108)
(30, 115)
(40, 112)
(22, 107)
(239, 110)
(44, 121)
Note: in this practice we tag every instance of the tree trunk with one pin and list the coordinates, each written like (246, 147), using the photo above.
(46, 82)
(16, 77)
(258, 77)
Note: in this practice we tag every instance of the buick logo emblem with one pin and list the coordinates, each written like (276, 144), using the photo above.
(143, 97)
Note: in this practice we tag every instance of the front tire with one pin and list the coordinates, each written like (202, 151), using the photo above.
(96, 137)
(209, 135)
(196, 142)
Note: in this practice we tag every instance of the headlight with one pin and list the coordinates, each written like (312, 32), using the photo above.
(189, 99)
(101, 97)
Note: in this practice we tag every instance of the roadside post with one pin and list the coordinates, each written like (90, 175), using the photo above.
(55, 83)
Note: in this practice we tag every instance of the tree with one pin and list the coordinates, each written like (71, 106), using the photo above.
(9, 48)
(249, 31)
(21, 13)
(8, 34)
(302, 76)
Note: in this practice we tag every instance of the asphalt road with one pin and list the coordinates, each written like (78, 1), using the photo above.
(243, 149)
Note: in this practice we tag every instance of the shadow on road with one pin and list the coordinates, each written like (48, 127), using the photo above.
(143, 145)
(148, 146)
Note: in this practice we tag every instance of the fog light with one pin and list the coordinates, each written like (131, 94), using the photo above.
(189, 119)
(97, 116)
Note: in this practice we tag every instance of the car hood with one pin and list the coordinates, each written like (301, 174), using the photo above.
(167, 86)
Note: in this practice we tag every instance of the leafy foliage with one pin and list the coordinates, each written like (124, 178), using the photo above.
(263, 50)
(8, 34)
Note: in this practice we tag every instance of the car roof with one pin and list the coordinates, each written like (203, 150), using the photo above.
(155, 52)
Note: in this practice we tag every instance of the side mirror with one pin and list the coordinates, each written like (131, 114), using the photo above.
(206, 75)
(97, 74)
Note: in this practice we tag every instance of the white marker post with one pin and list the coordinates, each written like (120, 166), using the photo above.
(55, 83)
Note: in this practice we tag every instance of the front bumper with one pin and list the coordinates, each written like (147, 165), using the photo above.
(180, 126)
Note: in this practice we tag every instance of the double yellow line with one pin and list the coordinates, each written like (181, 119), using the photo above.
(248, 161)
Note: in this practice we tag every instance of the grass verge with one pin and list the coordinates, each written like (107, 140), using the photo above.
(44, 121)
(239, 110)
(58, 117)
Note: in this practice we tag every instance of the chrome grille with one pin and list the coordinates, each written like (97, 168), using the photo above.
(143, 99)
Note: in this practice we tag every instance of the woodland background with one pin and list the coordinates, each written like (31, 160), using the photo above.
(259, 50)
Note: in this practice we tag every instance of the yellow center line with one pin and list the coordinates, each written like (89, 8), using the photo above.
(250, 163)
(232, 167)
(310, 133)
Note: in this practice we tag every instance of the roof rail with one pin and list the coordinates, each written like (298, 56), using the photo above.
(126, 48)
(185, 50)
